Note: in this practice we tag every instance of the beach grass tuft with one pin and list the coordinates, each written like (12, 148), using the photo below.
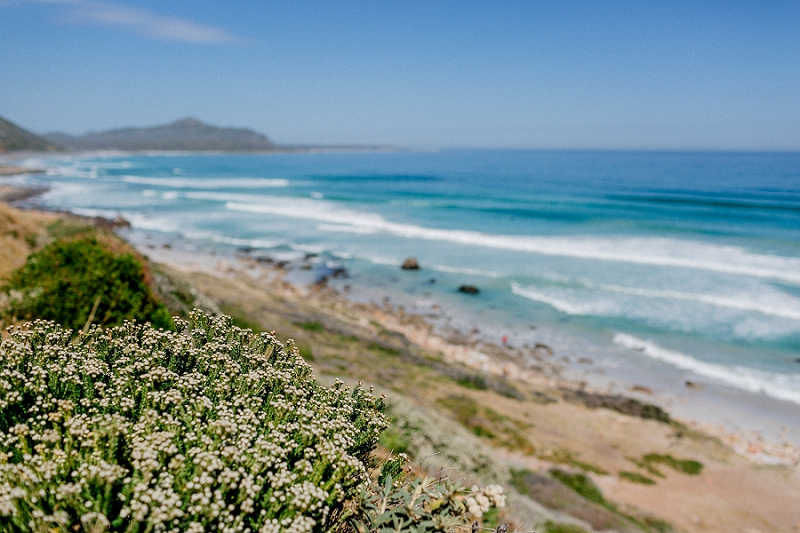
(562, 527)
(635, 477)
(580, 483)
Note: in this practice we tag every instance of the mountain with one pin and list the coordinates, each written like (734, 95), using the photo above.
(13, 139)
(185, 134)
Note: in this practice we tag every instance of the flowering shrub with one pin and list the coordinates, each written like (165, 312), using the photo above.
(77, 281)
(211, 428)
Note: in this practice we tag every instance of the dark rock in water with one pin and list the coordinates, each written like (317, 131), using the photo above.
(410, 264)
(797, 360)
(469, 289)
(433, 280)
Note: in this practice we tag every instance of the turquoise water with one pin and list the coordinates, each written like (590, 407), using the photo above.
(683, 261)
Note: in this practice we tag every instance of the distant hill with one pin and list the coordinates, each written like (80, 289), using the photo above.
(13, 139)
(185, 134)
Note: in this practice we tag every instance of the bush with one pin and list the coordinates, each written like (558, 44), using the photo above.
(580, 483)
(423, 506)
(70, 281)
(212, 428)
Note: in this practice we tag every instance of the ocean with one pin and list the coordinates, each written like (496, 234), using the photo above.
(654, 268)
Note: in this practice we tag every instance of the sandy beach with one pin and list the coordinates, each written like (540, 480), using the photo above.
(747, 484)
(526, 419)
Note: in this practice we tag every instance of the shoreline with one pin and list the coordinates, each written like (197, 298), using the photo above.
(507, 362)
(542, 419)
(719, 406)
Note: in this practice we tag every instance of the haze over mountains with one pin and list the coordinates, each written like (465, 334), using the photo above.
(187, 134)
(14, 139)
(184, 134)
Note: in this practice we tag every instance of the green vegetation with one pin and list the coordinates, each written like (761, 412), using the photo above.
(634, 477)
(383, 349)
(580, 483)
(487, 423)
(81, 282)
(562, 527)
(392, 468)
(473, 381)
(13, 138)
(305, 351)
(394, 441)
(686, 466)
(310, 326)
(567, 457)
(211, 428)
(424, 506)
(518, 480)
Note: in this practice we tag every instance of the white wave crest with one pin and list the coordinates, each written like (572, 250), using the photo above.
(784, 387)
(202, 183)
(572, 306)
(774, 303)
(467, 271)
(638, 250)
(762, 313)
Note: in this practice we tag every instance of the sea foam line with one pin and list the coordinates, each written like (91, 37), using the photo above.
(778, 305)
(202, 183)
(581, 308)
(784, 387)
(744, 303)
(645, 251)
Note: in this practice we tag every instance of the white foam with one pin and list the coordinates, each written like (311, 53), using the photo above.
(378, 260)
(203, 183)
(72, 172)
(345, 228)
(252, 243)
(87, 212)
(574, 306)
(637, 250)
(467, 271)
(150, 223)
(784, 387)
(743, 316)
(768, 301)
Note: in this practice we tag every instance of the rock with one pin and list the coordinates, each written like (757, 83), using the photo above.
(469, 289)
(410, 264)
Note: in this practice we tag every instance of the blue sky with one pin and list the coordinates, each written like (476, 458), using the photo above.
(526, 74)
